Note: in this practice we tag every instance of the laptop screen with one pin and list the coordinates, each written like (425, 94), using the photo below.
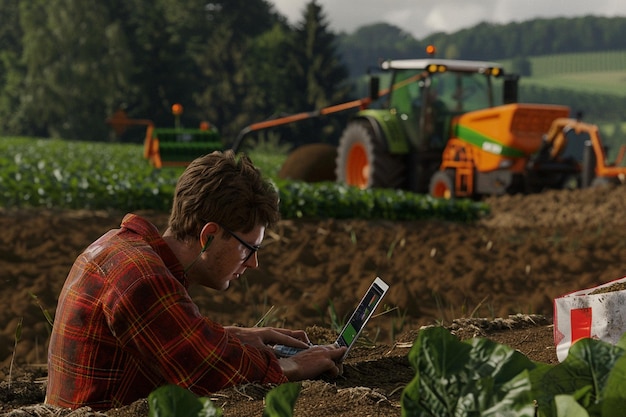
(362, 314)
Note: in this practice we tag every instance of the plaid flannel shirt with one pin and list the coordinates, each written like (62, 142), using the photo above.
(125, 325)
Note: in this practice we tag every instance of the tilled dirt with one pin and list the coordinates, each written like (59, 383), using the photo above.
(496, 278)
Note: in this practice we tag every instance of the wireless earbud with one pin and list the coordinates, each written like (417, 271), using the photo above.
(206, 245)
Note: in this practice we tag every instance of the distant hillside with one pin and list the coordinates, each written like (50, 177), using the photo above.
(368, 44)
(486, 41)
(590, 72)
(577, 62)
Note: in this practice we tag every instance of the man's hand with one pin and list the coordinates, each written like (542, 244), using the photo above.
(313, 362)
(261, 337)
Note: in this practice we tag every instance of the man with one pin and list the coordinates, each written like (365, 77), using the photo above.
(125, 323)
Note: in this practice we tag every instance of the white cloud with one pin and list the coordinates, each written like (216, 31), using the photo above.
(449, 18)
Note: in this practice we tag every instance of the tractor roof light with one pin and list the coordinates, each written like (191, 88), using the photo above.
(432, 68)
(493, 71)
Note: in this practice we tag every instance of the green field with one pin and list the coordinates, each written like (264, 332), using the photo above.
(604, 82)
(595, 72)
(55, 173)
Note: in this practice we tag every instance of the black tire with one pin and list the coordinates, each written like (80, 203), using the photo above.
(364, 161)
(442, 185)
(313, 162)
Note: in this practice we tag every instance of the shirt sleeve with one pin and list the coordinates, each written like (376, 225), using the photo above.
(154, 318)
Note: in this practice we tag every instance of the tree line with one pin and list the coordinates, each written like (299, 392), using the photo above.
(67, 65)
(485, 41)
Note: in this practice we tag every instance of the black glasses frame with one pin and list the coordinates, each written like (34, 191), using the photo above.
(252, 248)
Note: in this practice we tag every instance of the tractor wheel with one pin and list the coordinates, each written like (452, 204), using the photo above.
(442, 185)
(363, 159)
(310, 163)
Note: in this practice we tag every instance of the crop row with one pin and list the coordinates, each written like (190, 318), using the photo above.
(476, 377)
(92, 175)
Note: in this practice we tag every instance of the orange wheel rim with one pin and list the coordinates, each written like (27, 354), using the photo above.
(357, 166)
(441, 190)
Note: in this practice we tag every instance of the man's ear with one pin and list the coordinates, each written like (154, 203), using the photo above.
(206, 235)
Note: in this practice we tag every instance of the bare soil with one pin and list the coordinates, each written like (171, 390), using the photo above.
(496, 278)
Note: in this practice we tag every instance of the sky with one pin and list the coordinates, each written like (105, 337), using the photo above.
(424, 17)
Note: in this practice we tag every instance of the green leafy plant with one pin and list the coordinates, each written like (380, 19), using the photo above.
(593, 374)
(89, 175)
(482, 377)
(476, 377)
(455, 378)
(174, 401)
(281, 400)
(339, 201)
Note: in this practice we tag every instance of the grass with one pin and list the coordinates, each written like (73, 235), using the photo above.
(398, 322)
(392, 246)
(448, 312)
(44, 310)
(334, 321)
(611, 82)
(268, 155)
(18, 336)
(596, 72)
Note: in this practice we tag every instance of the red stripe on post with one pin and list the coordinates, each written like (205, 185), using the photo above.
(580, 319)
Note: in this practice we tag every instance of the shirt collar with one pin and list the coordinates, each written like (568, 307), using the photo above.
(151, 235)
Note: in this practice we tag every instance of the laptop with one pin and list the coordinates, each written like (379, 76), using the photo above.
(355, 325)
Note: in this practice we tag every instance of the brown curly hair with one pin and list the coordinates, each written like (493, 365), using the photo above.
(224, 188)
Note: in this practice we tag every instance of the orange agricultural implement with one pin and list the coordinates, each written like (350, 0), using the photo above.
(170, 147)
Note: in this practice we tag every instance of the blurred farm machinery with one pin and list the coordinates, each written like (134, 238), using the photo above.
(450, 128)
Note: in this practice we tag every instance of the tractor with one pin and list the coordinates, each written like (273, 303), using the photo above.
(454, 128)
(449, 128)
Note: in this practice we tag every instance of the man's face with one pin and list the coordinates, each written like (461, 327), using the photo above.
(227, 257)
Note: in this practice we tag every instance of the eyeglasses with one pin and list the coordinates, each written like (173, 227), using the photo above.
(252, 248)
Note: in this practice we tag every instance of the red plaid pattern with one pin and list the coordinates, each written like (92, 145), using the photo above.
(125, 325)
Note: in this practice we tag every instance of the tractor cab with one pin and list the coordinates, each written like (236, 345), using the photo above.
(426, 95)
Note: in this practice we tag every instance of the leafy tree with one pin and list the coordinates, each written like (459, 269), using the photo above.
(369, 44)
(226, 59)
(451, 52)
(316, 72)
(535, 37)
(11, 71)
(266, 66)
(66, 65)
(71, 67)
(164, 39)
(10, 30)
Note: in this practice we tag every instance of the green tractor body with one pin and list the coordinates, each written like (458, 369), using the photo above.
(399, 142)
